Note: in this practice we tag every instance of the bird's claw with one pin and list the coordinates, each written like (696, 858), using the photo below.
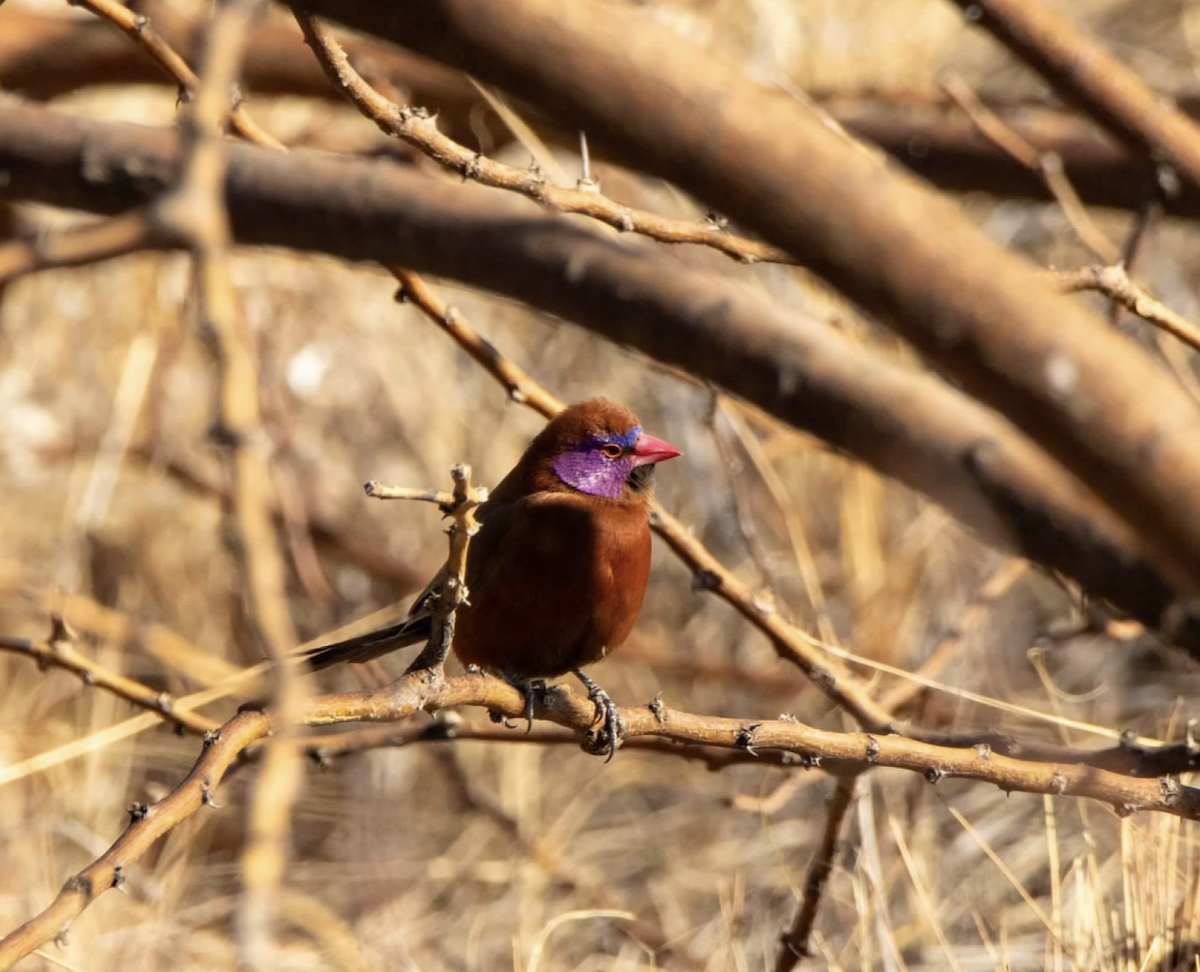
(608, 738)
(501, 719)
(527, 687)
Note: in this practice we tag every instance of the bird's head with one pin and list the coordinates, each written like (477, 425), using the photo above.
(598, 447)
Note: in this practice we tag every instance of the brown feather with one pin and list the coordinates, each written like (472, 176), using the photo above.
(555, 577)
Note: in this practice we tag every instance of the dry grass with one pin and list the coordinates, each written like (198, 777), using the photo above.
(425, 857)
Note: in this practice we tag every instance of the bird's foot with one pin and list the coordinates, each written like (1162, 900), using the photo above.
(608, 738)
(527, 687)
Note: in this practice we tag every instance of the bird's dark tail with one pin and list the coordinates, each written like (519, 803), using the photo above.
(370, 645)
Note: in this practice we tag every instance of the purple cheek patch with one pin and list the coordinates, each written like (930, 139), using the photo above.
(591, 472)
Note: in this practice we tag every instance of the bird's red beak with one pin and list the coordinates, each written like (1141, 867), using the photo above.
(648, 449)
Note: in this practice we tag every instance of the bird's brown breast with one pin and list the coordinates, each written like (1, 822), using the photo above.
(555, 580)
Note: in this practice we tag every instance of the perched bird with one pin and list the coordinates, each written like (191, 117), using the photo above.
(557, 572)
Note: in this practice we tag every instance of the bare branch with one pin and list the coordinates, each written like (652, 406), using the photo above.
(906, 424)
(58, 652)
(1113, 281)
(142, 32)
(194, 211)
(1079, 67)
(416, 692)
(795, 943)
(1047, 166)
(1087, 395)
(418, 128)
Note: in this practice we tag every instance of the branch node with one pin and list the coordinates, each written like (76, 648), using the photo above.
(118, 880)
(658, 709)
(934, 774)
(138, 811)
(704, 579)
(745, 737)
(983, 751)
(873, 749)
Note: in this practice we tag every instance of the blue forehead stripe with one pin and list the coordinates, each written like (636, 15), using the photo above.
(628, 440)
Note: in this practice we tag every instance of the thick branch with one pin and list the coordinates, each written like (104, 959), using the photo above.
(907, 425)
(1079, 67)
(1088, 395)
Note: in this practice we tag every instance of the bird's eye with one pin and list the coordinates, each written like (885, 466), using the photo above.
(612, 450)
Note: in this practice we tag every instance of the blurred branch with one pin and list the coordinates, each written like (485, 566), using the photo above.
(58, 652)
(1088, 396)
(795, 943)
(416, 692)
(1080, 68)
(904, 423)
(194, 211)
(1047, 166)
(44, 56)
(366, 555)
(1113, 282)
(140, 30)
(416, 127)
(76, 246)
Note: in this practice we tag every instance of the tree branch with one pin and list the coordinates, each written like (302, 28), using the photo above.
(419, 129)
(1091, 397)
(418, 691)
(905, 424)
(1080, 68)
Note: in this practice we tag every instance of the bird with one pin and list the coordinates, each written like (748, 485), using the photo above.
(557, 573)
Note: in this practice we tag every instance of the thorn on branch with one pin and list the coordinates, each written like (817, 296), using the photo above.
(745, 737)
(207, 798)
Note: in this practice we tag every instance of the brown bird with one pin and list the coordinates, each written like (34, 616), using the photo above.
(557, 572)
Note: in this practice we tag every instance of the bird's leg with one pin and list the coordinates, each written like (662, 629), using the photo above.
(606, 713)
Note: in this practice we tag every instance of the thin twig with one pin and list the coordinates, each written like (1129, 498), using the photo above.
(419, 129)
(141, 30)
(58, 652)
(1113, 281)
(795, 943)
(1046, 165)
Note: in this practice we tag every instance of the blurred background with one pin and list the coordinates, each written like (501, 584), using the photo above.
(462, 856)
